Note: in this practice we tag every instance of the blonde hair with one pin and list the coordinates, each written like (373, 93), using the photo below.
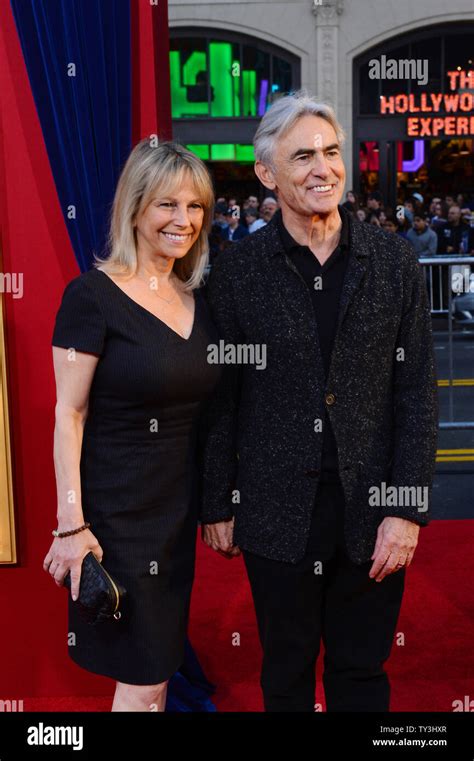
(150, 170)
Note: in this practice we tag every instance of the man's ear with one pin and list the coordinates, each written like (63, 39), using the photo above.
(265, 175)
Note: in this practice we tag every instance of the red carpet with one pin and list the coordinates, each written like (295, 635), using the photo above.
(432, 669)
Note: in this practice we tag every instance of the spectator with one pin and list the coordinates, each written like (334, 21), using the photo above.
(433, 204)
(409, 210)
(374, 219)
(361, 215)
(449, 200)
(422, 238)
(234, 230)
(253, 202)
(351, 203)
(418, 201)
(268, 208)
(220, 211)
(253, 223)
(390, 224)
(375, 201)
(441, 214)
(454, 236)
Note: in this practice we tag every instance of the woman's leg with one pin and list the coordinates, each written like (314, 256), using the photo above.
(137, 697)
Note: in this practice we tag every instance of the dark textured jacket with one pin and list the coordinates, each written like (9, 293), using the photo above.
(262, 453)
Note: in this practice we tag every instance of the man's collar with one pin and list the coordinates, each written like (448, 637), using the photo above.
(289, 242)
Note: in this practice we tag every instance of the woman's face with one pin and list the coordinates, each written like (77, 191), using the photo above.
(351, 197)
(361, 215)
(170, 225)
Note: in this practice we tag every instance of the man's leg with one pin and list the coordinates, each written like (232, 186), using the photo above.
(358, 625)
(287, 599)
(288, 602)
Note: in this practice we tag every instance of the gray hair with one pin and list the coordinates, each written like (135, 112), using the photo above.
(282, 115)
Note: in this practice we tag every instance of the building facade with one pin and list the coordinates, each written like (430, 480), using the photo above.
(399, 74)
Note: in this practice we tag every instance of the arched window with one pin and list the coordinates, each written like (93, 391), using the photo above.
(221, 85)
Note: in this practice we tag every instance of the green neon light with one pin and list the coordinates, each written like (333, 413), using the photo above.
(236, 86)
(202, 151)
(244, 153)
(220, 65)
(224, 152)
(249, 87)
(180, 106)
(195, 63)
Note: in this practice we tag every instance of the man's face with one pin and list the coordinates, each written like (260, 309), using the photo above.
(308, 170)
(454, 214)
(433, 205)
(389, 226)
(253, 202)
(372, 203)
(267, 210)
(419, 224)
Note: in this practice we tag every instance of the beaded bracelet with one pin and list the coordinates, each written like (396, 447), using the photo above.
(61, 534)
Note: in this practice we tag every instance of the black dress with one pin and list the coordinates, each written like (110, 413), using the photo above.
(138, 472)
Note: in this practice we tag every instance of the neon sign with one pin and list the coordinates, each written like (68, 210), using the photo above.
(457, 104)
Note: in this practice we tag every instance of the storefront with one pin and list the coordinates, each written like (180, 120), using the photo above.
(405, 133)
(221, 85)
(416, 133)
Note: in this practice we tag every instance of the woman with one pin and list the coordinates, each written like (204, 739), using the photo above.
(130, 360)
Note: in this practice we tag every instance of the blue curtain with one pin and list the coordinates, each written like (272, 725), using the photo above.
(78, 57)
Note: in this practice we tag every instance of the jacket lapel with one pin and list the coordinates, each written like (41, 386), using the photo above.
(298, 300)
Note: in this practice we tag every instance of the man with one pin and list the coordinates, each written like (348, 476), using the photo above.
(299, 453)
(422, 238)
(268, 208)
(434, 207)
(375, 201)
(251, 218)
(454, 236)
(390, 225)
(233, 230)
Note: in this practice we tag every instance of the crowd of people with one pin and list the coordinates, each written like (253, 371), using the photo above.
(435, 226)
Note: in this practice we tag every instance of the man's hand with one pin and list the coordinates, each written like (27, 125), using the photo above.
(395, 546)
(219, 537)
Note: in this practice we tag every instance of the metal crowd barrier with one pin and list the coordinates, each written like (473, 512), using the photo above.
(440, 271)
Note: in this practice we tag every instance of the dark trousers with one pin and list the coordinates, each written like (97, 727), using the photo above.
(325, 595)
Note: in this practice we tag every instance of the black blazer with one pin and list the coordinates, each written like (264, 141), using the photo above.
(262, 455)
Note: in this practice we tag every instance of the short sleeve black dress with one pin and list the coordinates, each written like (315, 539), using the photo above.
(138, 472)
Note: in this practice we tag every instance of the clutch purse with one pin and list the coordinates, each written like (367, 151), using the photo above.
(100, 596)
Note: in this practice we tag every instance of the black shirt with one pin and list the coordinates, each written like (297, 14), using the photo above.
(325, 299)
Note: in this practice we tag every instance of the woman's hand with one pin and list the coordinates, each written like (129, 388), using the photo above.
(67, 553)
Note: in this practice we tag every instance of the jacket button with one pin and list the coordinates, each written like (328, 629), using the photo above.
(311, 473)
(330, 399)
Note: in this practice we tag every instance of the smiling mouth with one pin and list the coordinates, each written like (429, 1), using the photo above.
(321, 188)
(176, 237)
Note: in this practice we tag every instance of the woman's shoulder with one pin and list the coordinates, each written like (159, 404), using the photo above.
(80, 320)
(84, 287)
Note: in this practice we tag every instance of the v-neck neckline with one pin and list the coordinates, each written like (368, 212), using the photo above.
(144, 309)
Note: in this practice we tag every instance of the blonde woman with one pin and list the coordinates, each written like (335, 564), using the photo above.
(130, 361)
